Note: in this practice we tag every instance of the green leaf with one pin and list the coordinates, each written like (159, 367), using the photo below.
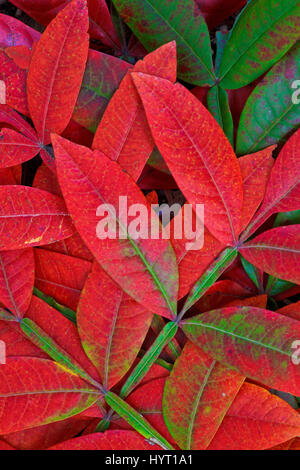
(221, 40)
(210, 276)
(287, 218)
(270, 113)
(136, 420)
(156, 22)
(277, 286)
(261, 35)
(139, 372)
(218, 106)
(255, 342)
(252, 272)
(38, 337)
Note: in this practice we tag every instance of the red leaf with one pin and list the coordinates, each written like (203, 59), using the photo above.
(110, 440)
(256, 420)
(197, 395)
(291, 310)
(60, 276)
(16, 279)
(255, 169)
(47, 394)
(15, 83)
(196, 151)
(145, 268)
(111, 325)
(56, 70)
(16, 343)
(30, 217)
(283, 189)
(193, 263)
(62, 331)
(15, 148)
(123, 134)
(48, 435)
(276, 252)
(21, 56)
(101, 25)
(216, 11)
(10, 118)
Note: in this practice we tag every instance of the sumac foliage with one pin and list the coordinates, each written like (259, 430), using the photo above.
(113, 335)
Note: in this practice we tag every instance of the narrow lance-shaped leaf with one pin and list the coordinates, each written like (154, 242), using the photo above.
(218, 106)
(272, 27)
(40, 338)
(145, 268)
(111, 325)
(214, 271)
(255, 342)
(56, 70)
(139, 372)
(196, 151)
(30, 217)
(155, 22)
(197, 395)
(136, 420)
(276, 93)
(47, 394)
(276, 252)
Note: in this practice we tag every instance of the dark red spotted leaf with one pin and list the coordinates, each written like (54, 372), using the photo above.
(145, 268)
(277, 252)
(291, 310)
(123, 134)
(31, 217)
(16, 279)
(111, 325)
(56, 70)
(196, 151)
(197, 395)
(255, 342)
(256, 420)
(47, 394)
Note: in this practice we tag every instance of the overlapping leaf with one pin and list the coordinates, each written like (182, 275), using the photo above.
(155, 23)
(197, 152)
(255, 342)
(145, 268)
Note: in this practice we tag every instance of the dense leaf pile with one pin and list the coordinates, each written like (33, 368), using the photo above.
(142, 343)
